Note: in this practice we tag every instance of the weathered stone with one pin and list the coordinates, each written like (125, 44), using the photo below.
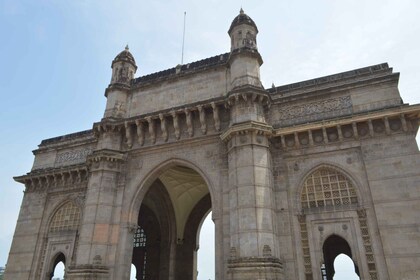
(294, 175)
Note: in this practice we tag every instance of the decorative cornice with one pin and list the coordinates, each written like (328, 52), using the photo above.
(138, 129)
(243, 128)
(248, 93)
(384, 122)
(106, 155)
(117, 86)
(44, 179)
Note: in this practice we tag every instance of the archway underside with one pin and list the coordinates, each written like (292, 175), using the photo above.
(169, 221)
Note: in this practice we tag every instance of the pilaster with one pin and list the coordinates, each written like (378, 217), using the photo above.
(100, 227)
(254, 252)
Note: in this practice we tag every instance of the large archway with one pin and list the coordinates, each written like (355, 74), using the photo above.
(166, 240)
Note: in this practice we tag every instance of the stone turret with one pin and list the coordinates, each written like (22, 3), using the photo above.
(123, 69)
(245, 61)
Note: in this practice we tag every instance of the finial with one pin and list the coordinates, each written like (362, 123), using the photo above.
(126, 47)
(241, 11)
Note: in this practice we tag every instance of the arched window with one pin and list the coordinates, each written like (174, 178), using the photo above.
(327, 187)
(66, 218)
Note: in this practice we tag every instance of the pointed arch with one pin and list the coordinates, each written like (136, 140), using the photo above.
(327, 187)
(59, 257)
(154, 174)
(333, 246)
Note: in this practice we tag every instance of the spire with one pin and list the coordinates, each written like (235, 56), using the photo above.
(126, 48)
(241, 11)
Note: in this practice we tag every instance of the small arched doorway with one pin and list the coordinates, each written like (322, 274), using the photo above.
(169, 220)
(333, 246)
(58, 268)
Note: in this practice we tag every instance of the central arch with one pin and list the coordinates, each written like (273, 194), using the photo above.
(171, 204)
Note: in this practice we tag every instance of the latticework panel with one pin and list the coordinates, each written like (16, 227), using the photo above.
(66, 218)
(327, 187)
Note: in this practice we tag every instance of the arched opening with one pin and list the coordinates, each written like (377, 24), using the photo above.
(58, 267)
(205, 254)
(333, 247)
(344, 268)
(169, 220)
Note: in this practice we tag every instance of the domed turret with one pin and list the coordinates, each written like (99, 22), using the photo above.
(123, 67)
(243, 32)
(244, 60)
(123, 70)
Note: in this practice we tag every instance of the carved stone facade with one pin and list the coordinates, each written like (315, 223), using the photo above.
(294, 176)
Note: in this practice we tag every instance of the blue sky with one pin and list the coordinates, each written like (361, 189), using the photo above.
(56, 57)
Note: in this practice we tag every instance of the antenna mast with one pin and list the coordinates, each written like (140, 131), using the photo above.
(183, 40)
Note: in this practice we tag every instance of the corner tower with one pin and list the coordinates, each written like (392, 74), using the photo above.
(123, 69)
(254, 247)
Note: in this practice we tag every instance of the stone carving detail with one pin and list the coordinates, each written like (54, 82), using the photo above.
(233, 253)
(72, 157)
(370, 256)
(305, 246)
(97, 260)
(129, 139)
(189, 122)
(151, 130)
(216, 116)
(267, 251)
(163, 127)
(123, 75)
(202, 114)
(140, 134)
(176, 124)
(325, 106)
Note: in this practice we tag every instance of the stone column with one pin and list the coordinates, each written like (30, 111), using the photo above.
(254, 245)
(100, 227)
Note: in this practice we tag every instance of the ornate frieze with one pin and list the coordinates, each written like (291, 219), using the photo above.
(72, 157)
(312, 111)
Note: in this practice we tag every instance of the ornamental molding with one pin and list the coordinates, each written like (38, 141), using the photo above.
(287, 112)
(106, 155)
(45, 179)
(246, 128)
(385, 122)
(248, 94)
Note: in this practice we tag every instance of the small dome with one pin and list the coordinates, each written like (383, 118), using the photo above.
(124, 56)
(242, 18)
